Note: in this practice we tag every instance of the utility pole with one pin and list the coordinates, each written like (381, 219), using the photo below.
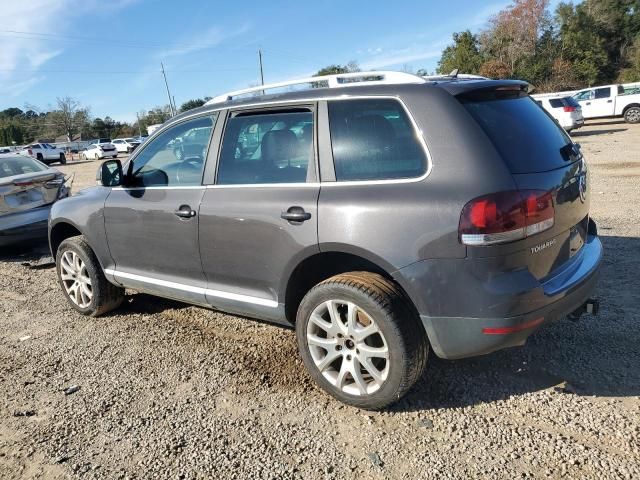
(168, 93)
(139, 129)
(261, 71)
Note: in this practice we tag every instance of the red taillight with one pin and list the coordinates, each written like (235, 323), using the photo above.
(506, 216)
(30, 152)
(569, 108)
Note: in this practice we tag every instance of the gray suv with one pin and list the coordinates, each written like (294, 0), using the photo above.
(381, 217)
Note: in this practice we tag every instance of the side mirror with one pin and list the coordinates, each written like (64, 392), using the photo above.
(110, 174)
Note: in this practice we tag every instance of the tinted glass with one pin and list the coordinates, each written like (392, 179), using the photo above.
(374, 140)
(267, 148)
(570, 101)
(556, 102)
(176, 157)
(603, 92)
(19, 166)
(526, 137)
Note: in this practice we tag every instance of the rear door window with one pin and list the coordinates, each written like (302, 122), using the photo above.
(374, 139)
(603, 92)
(526, 137)
(267, 147)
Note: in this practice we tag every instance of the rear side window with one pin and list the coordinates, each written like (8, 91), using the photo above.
(556, 102)
(374, 140)
(269, 147)
(603, 92)
(526, 137)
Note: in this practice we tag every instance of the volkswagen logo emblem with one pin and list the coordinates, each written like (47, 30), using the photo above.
(582, 186)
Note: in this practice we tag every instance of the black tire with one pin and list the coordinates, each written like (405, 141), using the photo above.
(40, 157)
(632, 115)
(394, 316)
(63, 159)
(106, 296)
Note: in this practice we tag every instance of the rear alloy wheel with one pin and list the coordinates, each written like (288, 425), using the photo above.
(361, 340)
(632, 115)
(82, 280)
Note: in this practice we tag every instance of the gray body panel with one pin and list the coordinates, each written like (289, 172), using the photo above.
(237, 254)
(246, 248)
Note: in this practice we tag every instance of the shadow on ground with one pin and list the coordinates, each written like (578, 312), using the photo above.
(588, 133)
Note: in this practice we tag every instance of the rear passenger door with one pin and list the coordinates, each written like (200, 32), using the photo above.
(258, 216)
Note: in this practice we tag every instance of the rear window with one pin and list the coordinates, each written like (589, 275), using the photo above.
(526, 137)
(19, 166)
(374, 140)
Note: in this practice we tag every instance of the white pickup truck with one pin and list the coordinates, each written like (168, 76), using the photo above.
(44, 152)
(609, 101)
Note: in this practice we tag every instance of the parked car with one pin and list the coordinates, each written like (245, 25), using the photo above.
(381, 218)
(126, 145)
(100, 150)
(565, 110)
(28, 188)
(44, 152)
(609, 101)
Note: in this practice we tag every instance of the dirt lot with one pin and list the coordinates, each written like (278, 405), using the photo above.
(171, 391)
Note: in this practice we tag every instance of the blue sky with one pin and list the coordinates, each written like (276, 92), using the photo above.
(107, 54)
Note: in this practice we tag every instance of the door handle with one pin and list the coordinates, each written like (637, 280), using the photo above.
(185, 211)
(588, 103)
(609, 101)
(295, 214)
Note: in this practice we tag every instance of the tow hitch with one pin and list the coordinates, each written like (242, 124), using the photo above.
(591, 306)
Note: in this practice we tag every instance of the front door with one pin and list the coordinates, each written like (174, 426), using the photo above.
(597, 102)
(152, 221)
(260, 217)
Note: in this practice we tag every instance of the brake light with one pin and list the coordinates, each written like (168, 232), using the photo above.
(506, 216)
(569, 108)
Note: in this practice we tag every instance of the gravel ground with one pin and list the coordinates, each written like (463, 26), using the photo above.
(159, 389)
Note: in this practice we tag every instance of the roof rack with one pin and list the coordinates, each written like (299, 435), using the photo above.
(377, 77)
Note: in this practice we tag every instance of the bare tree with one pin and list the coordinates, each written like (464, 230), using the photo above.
(70, 116)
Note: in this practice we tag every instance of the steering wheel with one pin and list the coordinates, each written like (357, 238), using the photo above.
(189, 170)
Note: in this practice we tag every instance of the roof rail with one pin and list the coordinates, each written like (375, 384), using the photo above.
(454, 75)
(380, 77)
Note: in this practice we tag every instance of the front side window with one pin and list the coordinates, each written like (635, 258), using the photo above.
(374, 140)
(269, 147)
(586, 95)
(176, 157)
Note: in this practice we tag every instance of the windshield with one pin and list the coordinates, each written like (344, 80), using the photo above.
(10, 167)
(526, 136)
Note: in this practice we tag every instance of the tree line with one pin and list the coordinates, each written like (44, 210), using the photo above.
(590, 43)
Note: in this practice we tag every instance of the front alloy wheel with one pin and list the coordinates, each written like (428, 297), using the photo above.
(82, 280)
(75, 279)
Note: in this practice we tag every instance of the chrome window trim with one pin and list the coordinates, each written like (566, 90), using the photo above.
(416, 130)
(265, 302)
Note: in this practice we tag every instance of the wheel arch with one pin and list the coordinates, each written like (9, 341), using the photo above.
(631, 105)
(59, 232)
(322, 265)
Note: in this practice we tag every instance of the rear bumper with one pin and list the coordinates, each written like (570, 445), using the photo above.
(27, 225)
(459, 336)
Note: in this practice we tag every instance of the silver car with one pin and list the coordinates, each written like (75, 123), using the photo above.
(28, 188)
